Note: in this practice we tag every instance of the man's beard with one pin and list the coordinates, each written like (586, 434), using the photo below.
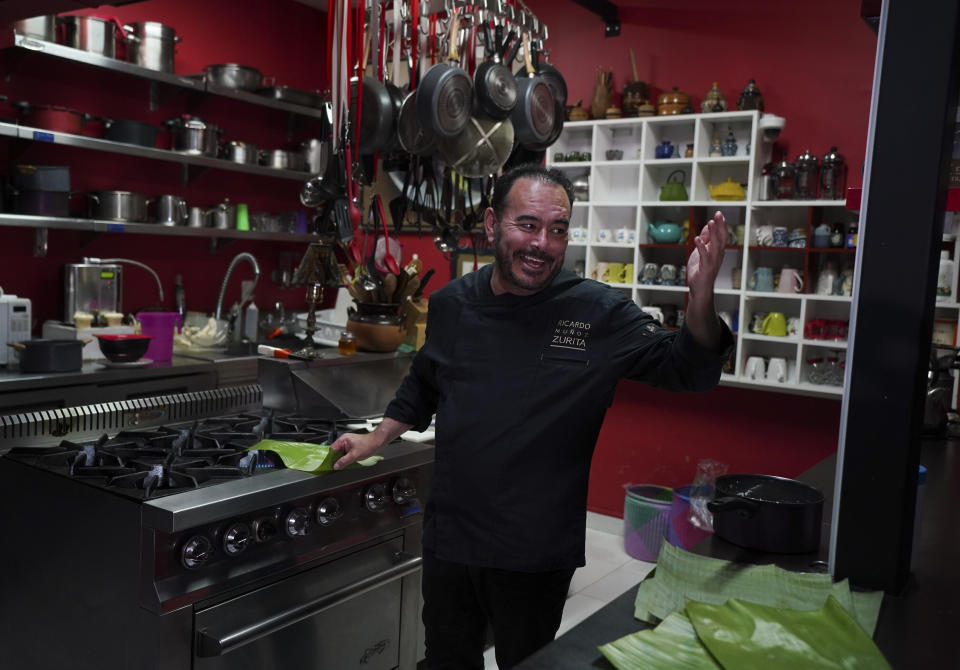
(505, 264)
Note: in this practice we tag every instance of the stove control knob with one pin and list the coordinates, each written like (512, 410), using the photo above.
(376, 497)
(237, 538)
(264, 529)
(328, 511)
(297, 523)
(196, 551)
(404, 490)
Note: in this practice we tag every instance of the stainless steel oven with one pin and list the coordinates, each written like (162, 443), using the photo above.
(148, 535)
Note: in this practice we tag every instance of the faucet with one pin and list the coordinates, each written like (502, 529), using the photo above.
(226, 278)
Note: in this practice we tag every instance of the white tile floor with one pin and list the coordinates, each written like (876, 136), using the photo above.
(608, 573)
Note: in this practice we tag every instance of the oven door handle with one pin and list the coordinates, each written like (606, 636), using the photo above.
(209, 645)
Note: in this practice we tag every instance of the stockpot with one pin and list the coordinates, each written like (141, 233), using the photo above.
(241, 152)
(171, 210)
(91, 34)
(191, 135)
(151, 45)
(120, 206)
(41, 27)
(283, 160)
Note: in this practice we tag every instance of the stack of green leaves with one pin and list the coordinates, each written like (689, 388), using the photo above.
(745, 636)
(307, 457)
(720, 615)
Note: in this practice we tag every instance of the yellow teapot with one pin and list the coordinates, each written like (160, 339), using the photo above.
(728, 190)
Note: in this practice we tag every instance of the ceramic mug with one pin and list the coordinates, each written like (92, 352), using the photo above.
(756, 325)
(779, 236)
(628, 276)
(600, 271)
(793, 326)
(741, 234)
(736, 277)
(614, 273)
(761, 280)
(655, 312)
(625, 235)
(790, 281)
(578, 234)
(826, 281)
(764, 235)
(777, 370)
(578, 268)
(650, 272)
(668, 275)
(774, 324)
(755, 368)
(604, 235)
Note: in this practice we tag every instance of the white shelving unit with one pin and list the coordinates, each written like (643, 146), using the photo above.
(626, 194)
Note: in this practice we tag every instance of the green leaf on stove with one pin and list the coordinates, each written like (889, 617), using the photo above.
(307, 457)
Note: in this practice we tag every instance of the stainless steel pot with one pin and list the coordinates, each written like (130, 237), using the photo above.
(197, 218)
(241, 152)
(120, 206)
(171, 210)
(91, 34)
(41, 27)
(231, 75)
(224, 215)
(152, 45)
(283, 160)
(191, 135)
(315, 153)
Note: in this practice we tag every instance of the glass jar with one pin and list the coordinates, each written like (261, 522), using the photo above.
(784, 180)
(347, 345)
(833, 176)
(807, 176)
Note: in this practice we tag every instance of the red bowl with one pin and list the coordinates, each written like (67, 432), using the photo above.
(124, 348)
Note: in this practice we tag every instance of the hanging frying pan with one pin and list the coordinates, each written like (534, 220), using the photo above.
(493, 82)
(377, 116)
(481, 149)
(413, 136)
(559, 113)
(533, 117)
(552, 76)
(445, 95)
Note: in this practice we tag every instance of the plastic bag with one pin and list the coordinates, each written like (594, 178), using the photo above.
(702, 492)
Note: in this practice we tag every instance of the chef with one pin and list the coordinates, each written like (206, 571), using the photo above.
(521, 361)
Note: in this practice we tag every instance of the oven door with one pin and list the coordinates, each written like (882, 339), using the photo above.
(343, 614)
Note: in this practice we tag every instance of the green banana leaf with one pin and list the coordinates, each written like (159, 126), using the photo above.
(681, 576)
(673, 645)
(746, 636)
(307, 457)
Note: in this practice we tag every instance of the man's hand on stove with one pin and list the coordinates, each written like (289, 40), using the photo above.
(358, 446)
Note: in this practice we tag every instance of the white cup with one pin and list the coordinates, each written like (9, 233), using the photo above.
(604, 235)
(577, 234)
(764, 235)
(755, 368)
(655, 312)
(625, 235)
(777, 370)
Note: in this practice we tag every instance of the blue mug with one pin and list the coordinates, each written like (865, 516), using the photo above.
(761, 280)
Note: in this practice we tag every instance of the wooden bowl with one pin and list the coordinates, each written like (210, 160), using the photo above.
(379, 337)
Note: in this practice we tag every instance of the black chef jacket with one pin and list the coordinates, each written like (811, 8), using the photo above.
(520, 386)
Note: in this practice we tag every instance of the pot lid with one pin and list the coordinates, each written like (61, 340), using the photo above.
(833, 157)
(807, 159)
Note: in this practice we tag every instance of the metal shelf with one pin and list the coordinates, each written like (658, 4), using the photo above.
(102, 226)
(66, 139)
(188, 82)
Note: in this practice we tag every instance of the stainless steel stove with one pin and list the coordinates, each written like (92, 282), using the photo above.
(149, 535)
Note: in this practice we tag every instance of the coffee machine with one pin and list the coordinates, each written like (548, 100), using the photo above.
(89, 287)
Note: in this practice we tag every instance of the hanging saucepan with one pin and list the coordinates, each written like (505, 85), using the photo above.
(559, 114)
(377, 118)
(414, 137)
(533, 117)
(445, 95)
(767, 513)
(494, 84)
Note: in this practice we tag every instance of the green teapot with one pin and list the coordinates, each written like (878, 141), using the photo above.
(664, 232)
(674, 189)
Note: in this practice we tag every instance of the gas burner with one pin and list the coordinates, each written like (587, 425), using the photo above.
(156, 478)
